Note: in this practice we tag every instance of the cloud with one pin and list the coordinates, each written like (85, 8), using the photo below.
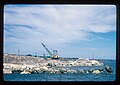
(56, 25)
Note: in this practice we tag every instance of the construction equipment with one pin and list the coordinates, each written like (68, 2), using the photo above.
(54, 55)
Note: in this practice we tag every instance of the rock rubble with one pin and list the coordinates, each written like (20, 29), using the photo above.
(30, 65)
(30, 69)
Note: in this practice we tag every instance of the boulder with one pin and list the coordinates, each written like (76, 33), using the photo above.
(63, 70)
(7, 71)
(100, 69)
(25, 72)
(96, 71)
(45, 68)
(56, 71)
(50, 64)
(108, 69)
(95, 63)
(7, 67)
(36, 70)
(81, 71)
(16, 71)
(71, 71)
(90, 70)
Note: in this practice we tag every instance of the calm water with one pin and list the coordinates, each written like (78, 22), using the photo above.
(67, 77)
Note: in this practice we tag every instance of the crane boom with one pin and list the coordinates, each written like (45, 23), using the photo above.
(47, 49)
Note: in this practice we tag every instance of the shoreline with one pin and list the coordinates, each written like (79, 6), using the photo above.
(30, 65)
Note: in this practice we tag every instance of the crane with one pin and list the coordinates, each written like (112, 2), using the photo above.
(54, 55)
(47, 49)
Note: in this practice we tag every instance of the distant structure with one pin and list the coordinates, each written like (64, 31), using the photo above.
(35, 54)
(18, 52)
(54, 55)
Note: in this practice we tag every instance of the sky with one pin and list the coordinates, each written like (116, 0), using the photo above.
(82, 31)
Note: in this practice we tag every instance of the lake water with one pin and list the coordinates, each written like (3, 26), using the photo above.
(68, 76)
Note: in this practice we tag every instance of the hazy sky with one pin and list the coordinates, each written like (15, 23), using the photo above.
(74, 30)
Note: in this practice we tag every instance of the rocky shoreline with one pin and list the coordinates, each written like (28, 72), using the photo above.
(30, 65)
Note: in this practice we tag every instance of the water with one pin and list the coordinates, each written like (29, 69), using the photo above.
(68, 76)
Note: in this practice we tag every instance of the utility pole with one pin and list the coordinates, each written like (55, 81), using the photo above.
(18, 52)
(35, 54)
